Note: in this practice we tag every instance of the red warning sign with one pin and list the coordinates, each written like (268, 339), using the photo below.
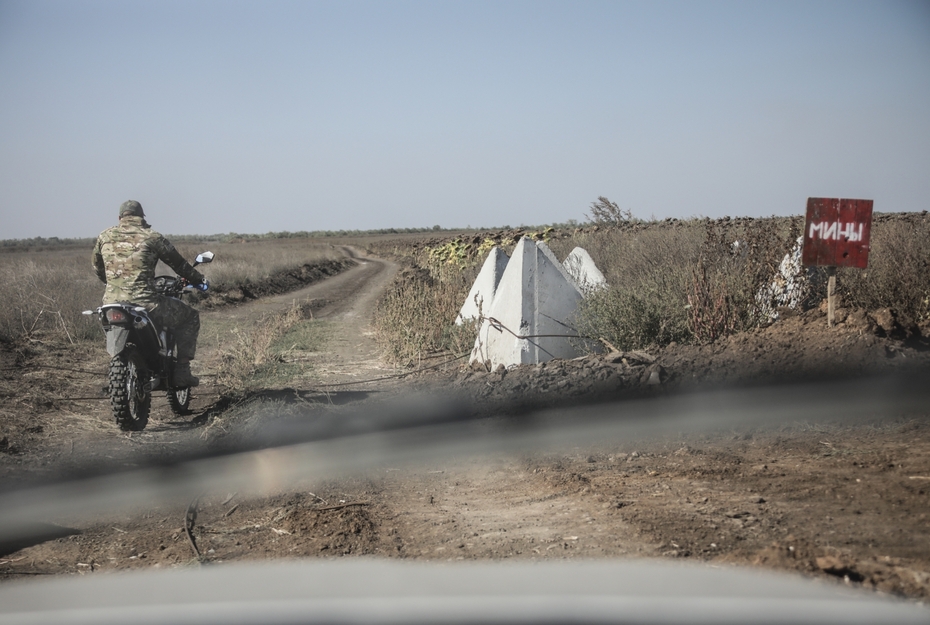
(836, 232)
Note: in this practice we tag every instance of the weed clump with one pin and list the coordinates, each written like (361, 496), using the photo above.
(647, 276)
(898, 275)
(726, 294)
(417, 315)
(259, 358)
(44, 296)
(603, 212)
(678, 281)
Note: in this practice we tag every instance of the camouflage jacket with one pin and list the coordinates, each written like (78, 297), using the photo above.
(125, 257)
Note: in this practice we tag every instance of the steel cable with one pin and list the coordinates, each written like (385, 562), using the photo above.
(497, 325)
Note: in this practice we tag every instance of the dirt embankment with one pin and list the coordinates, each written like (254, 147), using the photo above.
(798, 348)
(282, 282)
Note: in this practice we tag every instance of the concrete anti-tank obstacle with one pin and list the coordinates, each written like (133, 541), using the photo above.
(581, 268)
(482, 291)
(536, 298)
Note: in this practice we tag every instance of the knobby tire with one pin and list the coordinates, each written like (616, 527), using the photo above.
(129, 399)
(179, 399)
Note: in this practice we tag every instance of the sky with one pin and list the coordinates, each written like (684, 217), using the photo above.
(253, 117)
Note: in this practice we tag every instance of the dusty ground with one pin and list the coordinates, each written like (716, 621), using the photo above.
(835, 499)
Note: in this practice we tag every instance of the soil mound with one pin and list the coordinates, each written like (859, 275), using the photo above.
(796, 348)
(282, 282)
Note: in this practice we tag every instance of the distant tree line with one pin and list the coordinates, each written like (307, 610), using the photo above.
(37, 243)
(42, 243)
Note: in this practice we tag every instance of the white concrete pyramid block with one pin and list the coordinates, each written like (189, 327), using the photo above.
(581, 268)
(536, 298)
(482, 291)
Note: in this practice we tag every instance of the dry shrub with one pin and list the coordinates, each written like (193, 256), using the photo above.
(737, 260)
(648, 272)
(898, 275)
(710, 307)
(690, 281)
(44, 295)
(252, 350)
(416, 316)
(603, 212)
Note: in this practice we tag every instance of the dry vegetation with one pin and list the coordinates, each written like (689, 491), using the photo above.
(250, 261)
(416, 316)
(44, 290)
(688, 282)
(44, 294)
(671, 281)
(267, 355)
(899, 269)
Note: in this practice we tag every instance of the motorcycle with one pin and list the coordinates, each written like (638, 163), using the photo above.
(143, 356)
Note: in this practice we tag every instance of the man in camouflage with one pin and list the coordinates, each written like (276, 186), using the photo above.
(124, 259)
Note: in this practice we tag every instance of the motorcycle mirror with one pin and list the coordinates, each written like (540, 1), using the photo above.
(206, 257)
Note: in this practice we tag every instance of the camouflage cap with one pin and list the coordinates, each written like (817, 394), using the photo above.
(131, 208)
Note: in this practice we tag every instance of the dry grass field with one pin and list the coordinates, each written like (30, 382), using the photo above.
(45, 290)
(828, 497)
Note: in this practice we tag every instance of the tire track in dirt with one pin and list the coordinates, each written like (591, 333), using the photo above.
(479, 508)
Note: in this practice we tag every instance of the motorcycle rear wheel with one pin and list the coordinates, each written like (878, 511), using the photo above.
(129, 398)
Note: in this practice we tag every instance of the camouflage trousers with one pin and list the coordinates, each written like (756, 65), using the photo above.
(184, 322)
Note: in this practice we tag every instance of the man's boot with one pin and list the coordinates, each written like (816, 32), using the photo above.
(183, 376)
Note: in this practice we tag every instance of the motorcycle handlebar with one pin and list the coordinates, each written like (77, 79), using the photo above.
(176, 285)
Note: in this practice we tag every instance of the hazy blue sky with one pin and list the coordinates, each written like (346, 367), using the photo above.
(259, 116)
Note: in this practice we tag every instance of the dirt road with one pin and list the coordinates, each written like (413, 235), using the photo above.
(346, 301)
(52, 420)
(836, 500)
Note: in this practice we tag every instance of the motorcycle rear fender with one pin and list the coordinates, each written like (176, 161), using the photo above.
(116, 339)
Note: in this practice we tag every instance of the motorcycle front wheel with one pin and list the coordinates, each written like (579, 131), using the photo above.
(179, 399)
(129, 397)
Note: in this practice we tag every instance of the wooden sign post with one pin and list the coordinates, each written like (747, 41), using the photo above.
(836, 234)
